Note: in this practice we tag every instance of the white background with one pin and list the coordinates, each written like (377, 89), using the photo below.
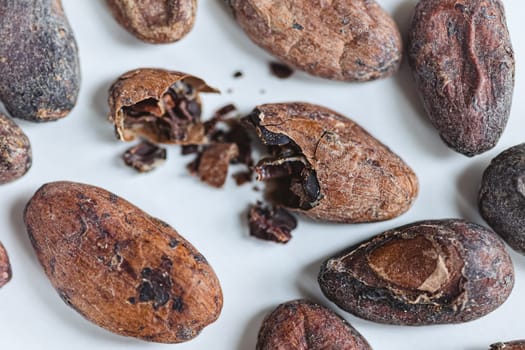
(256, 276)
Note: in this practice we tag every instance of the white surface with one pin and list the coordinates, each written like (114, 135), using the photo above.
(255, 275)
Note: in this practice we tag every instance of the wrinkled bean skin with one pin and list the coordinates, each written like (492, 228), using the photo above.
(5, 267)
(513, 345)
(502, 196)
(463, 63)
(304, 325)
(350, 40)
(39, 65)
(120, 268)
(15, 151)
(425, 273)
(155, 21)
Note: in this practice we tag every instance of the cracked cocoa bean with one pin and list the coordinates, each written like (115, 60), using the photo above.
(428, 272)
(159, 105)
(304, 325)
(15, 151)
(5, 267)
(120, 268)
(155, 21)
(502, 196)
(38, 60)
(351, 40)
(462, 59)
(327, 167)
(513, 345)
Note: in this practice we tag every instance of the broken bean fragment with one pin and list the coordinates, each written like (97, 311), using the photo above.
(159, 105)
(425, 273)
(155, 21)
(5, 267)
(327, 167)
(304, 325)
(271, 223)
(145, 156)
(213, 162)
(280, 70)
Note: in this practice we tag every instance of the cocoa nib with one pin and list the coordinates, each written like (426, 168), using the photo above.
(304, 325)
(463, 63)
(212, 163)
(159, 105)
(502, 196)
(271, 223)
(428, 272)
(5, 267)
(145, 156)
(280, 70)
(327, 167)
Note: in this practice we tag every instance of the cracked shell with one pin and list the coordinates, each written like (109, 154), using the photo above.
(120, 268)
(304, 325)
(15, 151)
(351, 40)
(155, 21)
(358, 178)
(39, 62)
(428, 272)
(146, 102)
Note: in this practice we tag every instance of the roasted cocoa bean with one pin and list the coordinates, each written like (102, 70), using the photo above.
(155, 21)
(15, 151)
(38, 60)
(352, 40)
(502, 196)
(5, 267)
(159, 105)
(329, 168)
(304, 325)
(120, 268)
(428, 272)
(462, 59)
(513, 345)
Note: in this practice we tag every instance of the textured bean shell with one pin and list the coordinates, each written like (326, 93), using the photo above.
(351, 40)
(502, 196)
(303, 325)
(155, 21)
(5, 267)
(39, 66)
(513, 345)
(483, 283)
(143, 84)
(99, 252)
(360, 178)
(463, 63)
(15, 151)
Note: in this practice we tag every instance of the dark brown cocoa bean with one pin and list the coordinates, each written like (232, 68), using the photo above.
(513, 345)
(502, 196)
(15, 151)
(5, 267)
(160, 105)
(38, 60)
(429, 272)
(155, 21)
(352, 40)
(304, 325)
(463, 63)
(120, 268)
(329, 168)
